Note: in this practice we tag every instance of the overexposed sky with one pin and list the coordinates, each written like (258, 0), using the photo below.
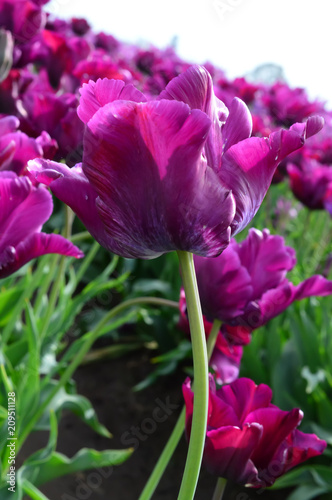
(236, 35)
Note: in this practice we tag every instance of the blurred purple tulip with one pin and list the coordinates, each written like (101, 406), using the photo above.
(246, 285)
(176, 173)
(23, 210)
(289, 105)
(24, 18)
(311, 183)
(248, 439)
(16, 148)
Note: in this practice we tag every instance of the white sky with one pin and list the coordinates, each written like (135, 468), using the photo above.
(236, 35)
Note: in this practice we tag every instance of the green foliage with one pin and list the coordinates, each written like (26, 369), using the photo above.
(41, 338)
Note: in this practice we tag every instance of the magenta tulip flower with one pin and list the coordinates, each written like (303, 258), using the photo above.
(23, 210)
(246, 285)
(249, 440)
(176, 173)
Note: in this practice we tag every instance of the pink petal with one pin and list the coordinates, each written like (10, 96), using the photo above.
(35, 245)
(94, 95)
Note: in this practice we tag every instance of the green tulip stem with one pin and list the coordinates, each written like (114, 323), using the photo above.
(201, 378)
(211, 342)
(220, 488)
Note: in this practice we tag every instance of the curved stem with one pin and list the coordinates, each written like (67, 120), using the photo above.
(83, 235)
(213, 337)
(177, 432)
(91, 338)
(220, 488)
(201, 378)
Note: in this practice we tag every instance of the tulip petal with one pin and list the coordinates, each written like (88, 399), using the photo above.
(266, 259)
(152, 151)
(72, 187)
(275, 301)
(224, 285)
(238, 126)
(226, 367)
(23, 209)
(277, 425)
(244, 396)
(301, 447)
(94, 95)
(195, 88)
(228, 452)
(248, 167)
(8, 124)
(34, 246)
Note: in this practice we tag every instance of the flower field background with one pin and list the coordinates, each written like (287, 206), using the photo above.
(87, 315)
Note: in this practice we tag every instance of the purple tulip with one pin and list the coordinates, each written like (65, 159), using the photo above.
(46, 111)
(246, 285)
(176, 173)
(248, 439)
(16, 148)
(289, 105)
(311, 183)
(23, 210)
(24, 18)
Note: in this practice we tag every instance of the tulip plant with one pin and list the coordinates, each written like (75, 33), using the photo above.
(142, 156)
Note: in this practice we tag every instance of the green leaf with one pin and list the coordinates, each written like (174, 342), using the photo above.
(3, 413)
(161, 370)
(32, 491)
(16, 351)
(59, 465)
(8, 300)
(318, 475)
(307, 492)
(78, 404)
(29, 389)
(182, 351)
(322, 433)
(9, 495)
(146, 287)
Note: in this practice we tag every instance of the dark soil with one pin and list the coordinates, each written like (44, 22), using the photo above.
(107, 384)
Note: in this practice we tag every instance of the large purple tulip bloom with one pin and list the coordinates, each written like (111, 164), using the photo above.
(23, 210)
(248, 439)
(246, 285)
(176, 173)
